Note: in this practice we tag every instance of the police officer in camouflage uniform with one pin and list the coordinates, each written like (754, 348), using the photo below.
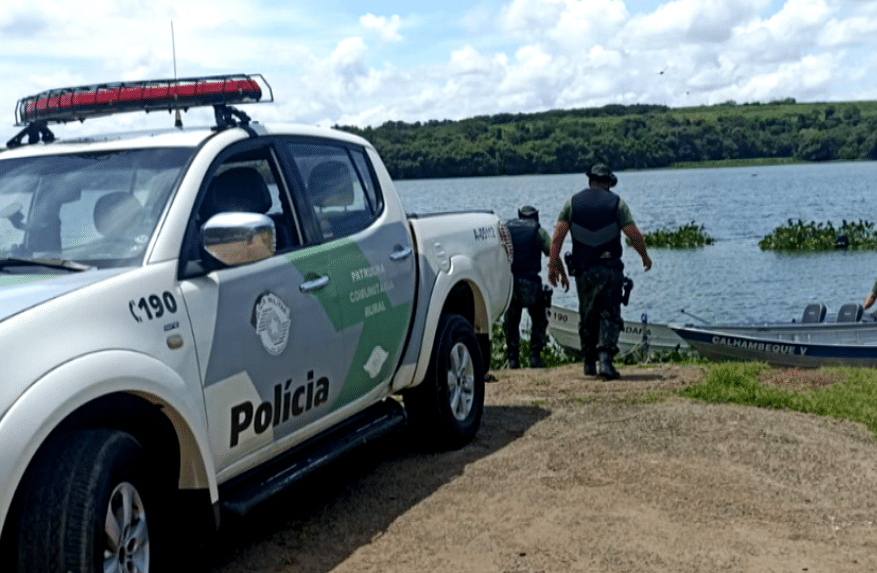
(529, 242)
(597, 217)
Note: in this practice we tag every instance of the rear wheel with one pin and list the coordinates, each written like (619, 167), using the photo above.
(447, 406)
(86, 506)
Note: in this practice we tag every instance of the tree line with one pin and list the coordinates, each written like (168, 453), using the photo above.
(625, 137)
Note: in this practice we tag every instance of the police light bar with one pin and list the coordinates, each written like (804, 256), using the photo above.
(80, 103)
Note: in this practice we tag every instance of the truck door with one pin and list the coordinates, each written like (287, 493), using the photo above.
(266, 332)
(372, 258)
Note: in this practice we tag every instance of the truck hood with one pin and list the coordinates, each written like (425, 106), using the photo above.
(21, 292)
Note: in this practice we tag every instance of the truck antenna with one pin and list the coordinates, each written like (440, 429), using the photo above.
(178, 120)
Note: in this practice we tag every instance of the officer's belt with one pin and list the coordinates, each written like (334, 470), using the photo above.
(592, 263)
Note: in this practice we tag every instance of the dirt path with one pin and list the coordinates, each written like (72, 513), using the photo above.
(571, 474)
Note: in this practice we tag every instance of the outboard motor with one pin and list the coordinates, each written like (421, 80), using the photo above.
(851, 312)
(814, 313)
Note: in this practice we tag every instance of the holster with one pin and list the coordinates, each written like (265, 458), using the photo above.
(626, 287)
(571, 270)
(546, 295)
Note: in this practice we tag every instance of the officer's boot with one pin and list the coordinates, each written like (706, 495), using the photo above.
(514, 362)
(536, 358)
(607, 369)
(590, 365)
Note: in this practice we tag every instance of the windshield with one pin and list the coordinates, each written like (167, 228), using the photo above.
(99, 209)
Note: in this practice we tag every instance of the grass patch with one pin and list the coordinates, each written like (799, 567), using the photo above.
(639, 358)
(842, 393)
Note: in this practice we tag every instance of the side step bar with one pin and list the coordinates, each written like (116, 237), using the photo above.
(240, 495)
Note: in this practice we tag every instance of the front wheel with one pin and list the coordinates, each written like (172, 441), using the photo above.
(447, 406)
(85, 509)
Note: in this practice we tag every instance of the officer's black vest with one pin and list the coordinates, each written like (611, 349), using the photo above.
(596, 236)
(526, 246)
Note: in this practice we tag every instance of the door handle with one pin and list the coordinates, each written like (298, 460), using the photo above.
(400, 253)
(315, 284)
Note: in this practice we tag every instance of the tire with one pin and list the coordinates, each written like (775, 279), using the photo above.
(85, 508)
(446, 407)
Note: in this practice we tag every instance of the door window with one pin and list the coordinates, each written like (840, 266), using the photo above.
(251, 186)
(250, 182)
(344, 201)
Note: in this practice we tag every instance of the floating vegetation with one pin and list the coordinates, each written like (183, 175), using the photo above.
(687, 236)
(812, 236)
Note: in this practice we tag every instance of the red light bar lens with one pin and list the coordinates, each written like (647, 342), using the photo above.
(80, 103)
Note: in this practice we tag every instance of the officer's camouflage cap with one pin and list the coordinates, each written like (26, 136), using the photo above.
(528, 211)
(600, 171)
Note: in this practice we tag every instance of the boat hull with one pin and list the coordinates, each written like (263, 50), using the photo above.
(563, 325)
(787, 345)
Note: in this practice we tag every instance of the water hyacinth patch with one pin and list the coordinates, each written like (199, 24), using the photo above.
(812, 236)
(687, 236)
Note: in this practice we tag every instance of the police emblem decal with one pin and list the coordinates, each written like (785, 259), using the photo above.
(271, 319)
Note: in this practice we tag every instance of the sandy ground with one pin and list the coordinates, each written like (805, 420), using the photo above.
(575, 474)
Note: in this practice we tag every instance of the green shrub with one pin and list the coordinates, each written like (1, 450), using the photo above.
(552, 355)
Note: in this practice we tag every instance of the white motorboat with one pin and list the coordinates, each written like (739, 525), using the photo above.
(643, 336)
(850, 339)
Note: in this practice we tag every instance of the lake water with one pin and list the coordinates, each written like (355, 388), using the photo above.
(732, 280)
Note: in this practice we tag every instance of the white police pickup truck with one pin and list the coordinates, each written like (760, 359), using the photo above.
(192, 320)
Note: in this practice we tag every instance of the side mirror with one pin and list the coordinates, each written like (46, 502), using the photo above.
(237, 238)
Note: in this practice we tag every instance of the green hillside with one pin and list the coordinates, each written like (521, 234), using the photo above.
(627, 137)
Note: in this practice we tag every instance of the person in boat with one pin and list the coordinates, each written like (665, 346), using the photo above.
(529, 242)
(597, 217)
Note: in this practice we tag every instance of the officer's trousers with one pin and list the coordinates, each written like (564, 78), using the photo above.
(527, 294)
(600, 323)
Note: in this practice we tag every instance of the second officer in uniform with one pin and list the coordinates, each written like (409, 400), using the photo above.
(529, 242)
(597, 217)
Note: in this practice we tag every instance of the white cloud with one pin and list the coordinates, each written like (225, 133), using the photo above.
(468, 61)
(24, 19)
(329, 65)
(799, 19)
(387, 29)
(566, 23)
(856, 31)
(806, 79)
(692, 21)
(532, 18)
(477, 19)
(347, 59)
(588, 22)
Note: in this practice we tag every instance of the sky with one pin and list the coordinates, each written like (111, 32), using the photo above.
(340, 62)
